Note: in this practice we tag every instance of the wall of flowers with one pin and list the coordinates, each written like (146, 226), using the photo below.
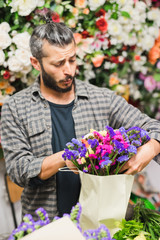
(118, 45)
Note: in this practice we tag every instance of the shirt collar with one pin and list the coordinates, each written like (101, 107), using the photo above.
(80, 90)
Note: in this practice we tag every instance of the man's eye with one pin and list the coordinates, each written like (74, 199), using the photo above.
(58, 64)
(73, 60)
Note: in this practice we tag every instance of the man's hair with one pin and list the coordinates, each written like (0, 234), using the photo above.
(56, 33)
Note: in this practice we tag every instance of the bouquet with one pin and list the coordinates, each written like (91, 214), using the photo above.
(105, 152)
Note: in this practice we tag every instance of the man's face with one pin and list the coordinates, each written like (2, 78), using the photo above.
(58, 67)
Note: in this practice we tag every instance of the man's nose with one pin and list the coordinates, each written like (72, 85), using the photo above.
(67, 69)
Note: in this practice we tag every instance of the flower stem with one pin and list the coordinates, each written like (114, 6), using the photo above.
(93, 167)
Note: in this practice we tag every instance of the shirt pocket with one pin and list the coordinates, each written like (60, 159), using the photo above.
(37, 137)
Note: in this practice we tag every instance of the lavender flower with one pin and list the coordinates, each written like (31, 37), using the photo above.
(98, 234)
(118, 146)
(93, 142)
(123, 158)
(132, 149)
(111, 131)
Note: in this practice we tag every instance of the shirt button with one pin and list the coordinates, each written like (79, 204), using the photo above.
(45, 105)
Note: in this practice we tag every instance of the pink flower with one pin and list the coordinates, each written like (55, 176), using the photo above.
(79, 161)
(98, 136)
(108, 148)
(92, 156)
(158, 85)
(150, 83)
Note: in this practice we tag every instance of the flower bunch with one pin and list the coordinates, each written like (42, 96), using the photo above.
(29, 225)
(17, 21)
(112, 36)
(105, 152)
(115, 40)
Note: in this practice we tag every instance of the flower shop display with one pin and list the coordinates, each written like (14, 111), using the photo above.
(144, 225)
(99, 156)
(29, 225)
(114, 40)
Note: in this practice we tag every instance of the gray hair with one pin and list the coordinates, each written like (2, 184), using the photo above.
(57, 34)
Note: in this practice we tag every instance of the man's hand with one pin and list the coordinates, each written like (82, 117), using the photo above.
(71, 166)
(144, 155)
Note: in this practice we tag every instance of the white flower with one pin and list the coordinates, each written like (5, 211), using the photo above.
(137, 65)
(14, 64)
(88, 73)
(23, 56)
(124, 2)
(3, 98)
(146, 43)
(114, 27)
(121, 2)
(26, 69)
(22, 40)
(94, 4)
(40, 3)
(5, 40)
(154, 31)
(4, 26)
(2, 57)
(140, 6)
(23, 7)
(154, 14)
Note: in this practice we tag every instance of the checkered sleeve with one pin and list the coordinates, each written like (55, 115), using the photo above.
(21, 164)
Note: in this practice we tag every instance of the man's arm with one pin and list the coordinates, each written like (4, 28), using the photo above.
(21, 164)
(144, 155)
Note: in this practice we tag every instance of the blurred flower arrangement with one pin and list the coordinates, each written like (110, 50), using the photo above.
(29, 225)
(105, 152)
(134, 229)
(114, 39)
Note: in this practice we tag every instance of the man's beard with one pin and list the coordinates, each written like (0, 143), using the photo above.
(50, 82)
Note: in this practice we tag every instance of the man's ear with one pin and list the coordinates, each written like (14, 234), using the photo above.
(35, 63)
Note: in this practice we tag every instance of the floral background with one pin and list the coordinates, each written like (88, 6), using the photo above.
(118, 45)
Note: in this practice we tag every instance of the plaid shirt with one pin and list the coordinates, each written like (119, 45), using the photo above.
(26, 134)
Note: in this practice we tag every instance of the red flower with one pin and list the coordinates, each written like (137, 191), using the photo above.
(6, 75)
(55, 17)
(85, 34)
(101, 24)
(100, 13)
(29, 18)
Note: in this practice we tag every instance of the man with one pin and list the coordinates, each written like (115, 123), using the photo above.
(38, 121)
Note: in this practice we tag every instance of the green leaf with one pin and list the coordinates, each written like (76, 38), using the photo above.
(108, 6)
(1, 3)
(59, 9)
(114, 15)
(157, 77)
(65, 2)
(125, 14)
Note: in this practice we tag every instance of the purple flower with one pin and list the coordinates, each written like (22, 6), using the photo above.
(111, 131)
(93, 142)
(105, 163)
(77, 142)
(118, 146)
(43, 215)
(123, 158)
(132, 149)
(27, 218)
(136, 143)
(83, 152)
